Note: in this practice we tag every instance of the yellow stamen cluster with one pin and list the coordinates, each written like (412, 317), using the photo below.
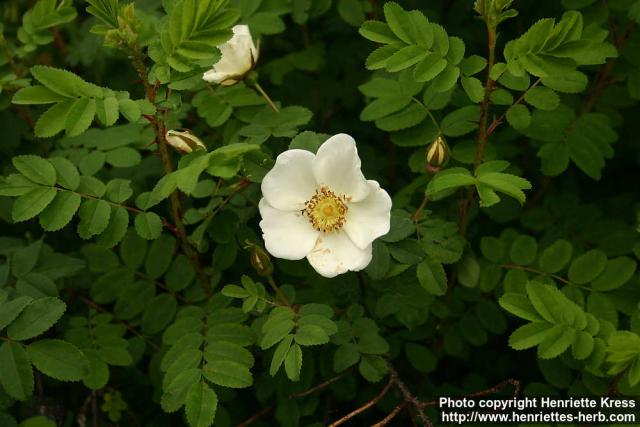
(326, 210)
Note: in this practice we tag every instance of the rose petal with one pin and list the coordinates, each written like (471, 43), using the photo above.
(335, 254)
(291, 182)
(286, 235)
(239, 54)
(337, 166)
(370, 218)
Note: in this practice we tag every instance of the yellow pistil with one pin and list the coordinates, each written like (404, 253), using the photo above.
(326, 210)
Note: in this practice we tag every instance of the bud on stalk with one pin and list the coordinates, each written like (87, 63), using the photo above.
(184, 141)
(437, 153)
(260, 261)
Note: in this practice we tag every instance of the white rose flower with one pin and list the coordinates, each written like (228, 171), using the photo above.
(239, 55)
(321, 207)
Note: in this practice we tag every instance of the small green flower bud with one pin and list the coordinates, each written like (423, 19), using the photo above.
(184, 141)
(437, 153)
(260, 260)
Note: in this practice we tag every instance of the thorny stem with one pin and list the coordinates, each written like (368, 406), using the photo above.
(281, 296)
(266, 97)
(391, 415)
(486, 101)
(137, 59)
(465, 203)
(408, 397)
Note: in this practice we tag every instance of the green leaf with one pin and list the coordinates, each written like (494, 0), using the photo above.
(279, 354)
(117, 228)
(524, 250)
(80, 116)
(530, 335)
(53, 120)
(555, 257)
(583, 345)
(148, 225)
(587, 267)
(519, 117)
(429, 68)
(519, 305)
(58, 359)
(64, 82)
(506, 183)
(405, 58)
(32, 203)
(378, 32)
(94, 217)
(36, 318)
(9, 310)
(309, 334)
(556, 342)
(129, 109)
(276, 332)
(461, 121)
(228, 373)
(16, 375)
(542, 98)
(175, 394)
(345, 356)
(123, 157)
(34, 95)
(67, 175)
(473, 87)
(406, 118)
(60, 211)
(223, 350)
(118, 190)
(432, 277)
(450, 179)
(352, 12)
(293, 362)
(617, 272)
(200, 405)
(399, 21)
(159, 313)
(37, 169)
(567, 82)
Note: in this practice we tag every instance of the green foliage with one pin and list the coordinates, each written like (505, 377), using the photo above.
(76, 102)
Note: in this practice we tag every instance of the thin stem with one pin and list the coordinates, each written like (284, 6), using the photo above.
(160, 118)
(431, 116)
(364, 407)
(255, 417)
(533, 270)
(486, 101)
(465, 202)
(391, 415)
(408, 397)
(266, 97)
(318, 387)
(278, 291)
(497, 122)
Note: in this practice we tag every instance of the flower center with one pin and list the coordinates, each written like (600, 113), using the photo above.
(326, 210)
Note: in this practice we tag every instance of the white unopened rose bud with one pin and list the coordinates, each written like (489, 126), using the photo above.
(239, 56)
(184, 141)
